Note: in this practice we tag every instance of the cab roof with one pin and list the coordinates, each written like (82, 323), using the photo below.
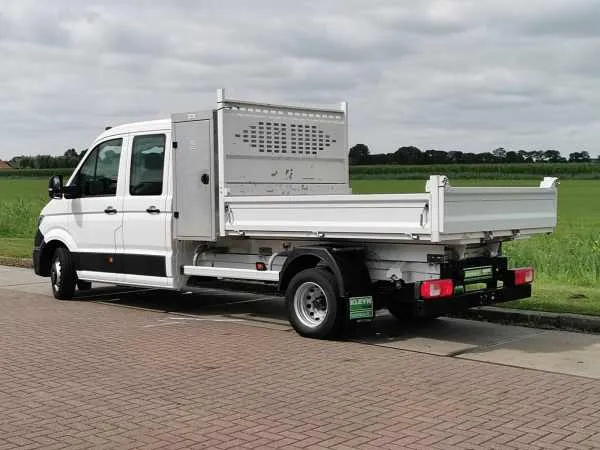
(137, 127)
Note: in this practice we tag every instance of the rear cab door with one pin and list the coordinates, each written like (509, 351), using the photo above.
(147, 209)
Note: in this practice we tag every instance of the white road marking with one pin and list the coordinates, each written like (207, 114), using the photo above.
(182, 321)
(209, 319)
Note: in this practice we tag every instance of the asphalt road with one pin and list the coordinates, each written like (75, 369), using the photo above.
(146, 369)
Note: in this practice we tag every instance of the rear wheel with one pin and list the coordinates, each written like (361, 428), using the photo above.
(62, 274)
(313, 304)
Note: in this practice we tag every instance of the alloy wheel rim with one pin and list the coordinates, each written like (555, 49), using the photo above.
(310, 304)
(56, 275)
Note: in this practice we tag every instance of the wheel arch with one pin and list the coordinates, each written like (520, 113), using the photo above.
(46, 253)
(346, 264)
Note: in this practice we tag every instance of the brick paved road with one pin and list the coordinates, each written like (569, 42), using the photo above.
(88, 375)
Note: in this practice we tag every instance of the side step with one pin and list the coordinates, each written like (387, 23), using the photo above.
(200, 285)
(235, 274)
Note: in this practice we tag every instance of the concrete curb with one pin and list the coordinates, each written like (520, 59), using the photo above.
(534, 319)
(26, 263)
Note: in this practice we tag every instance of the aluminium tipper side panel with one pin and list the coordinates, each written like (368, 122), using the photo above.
(369, 217)
(524, 210)
(283, 150)
(444, 214)
(195, 178)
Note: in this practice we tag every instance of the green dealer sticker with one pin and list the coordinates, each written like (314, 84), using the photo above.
(361, 308)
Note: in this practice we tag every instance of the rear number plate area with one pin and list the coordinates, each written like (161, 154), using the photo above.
(478, 274)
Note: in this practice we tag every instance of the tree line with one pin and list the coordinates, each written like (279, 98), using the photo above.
(360, 155)
(68, 160)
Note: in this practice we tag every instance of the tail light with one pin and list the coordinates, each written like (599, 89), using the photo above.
(523, 275)
(431, 289)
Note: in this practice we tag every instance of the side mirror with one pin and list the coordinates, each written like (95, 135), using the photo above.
(55, 186)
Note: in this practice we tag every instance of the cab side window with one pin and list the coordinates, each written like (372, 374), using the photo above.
(147, 162)
(98, 175)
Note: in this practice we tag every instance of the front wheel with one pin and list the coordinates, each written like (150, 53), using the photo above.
(313, 304)
(62, 274)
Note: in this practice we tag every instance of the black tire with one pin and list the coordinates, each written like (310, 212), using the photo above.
(83, 285)
(62, 274)
(316, 284)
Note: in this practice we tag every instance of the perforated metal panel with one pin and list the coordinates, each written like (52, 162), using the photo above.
(281, 137)
(283, 150)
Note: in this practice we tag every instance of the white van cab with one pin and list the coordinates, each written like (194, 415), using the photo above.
(120, 197)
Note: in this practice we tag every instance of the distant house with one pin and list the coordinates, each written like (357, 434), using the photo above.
(4, 165)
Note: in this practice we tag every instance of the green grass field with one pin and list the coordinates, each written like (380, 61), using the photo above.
(21, 200)
(587, 171)
(567, 262)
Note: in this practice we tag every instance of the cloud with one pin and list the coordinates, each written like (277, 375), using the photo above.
(448, 74)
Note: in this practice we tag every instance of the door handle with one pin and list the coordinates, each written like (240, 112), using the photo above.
(110, 210)
(153, 210)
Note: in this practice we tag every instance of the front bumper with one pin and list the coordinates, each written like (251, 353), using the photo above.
(486, 297)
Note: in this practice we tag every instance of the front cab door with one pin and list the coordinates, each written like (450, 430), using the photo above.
(96, 213)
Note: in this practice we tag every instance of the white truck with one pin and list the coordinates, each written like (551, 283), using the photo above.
(254, 194)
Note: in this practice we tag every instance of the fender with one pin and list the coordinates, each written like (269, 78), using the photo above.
(347, 265)
(61, 235)
(46, 240)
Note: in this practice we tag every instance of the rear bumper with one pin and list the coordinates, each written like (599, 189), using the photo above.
(424, 308)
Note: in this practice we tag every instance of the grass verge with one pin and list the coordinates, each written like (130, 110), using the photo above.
(560, 298)
(16, 247)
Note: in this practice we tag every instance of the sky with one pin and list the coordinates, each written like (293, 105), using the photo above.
(469, 75)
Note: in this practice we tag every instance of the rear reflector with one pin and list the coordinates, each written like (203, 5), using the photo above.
(523, 275)
(437, 289)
